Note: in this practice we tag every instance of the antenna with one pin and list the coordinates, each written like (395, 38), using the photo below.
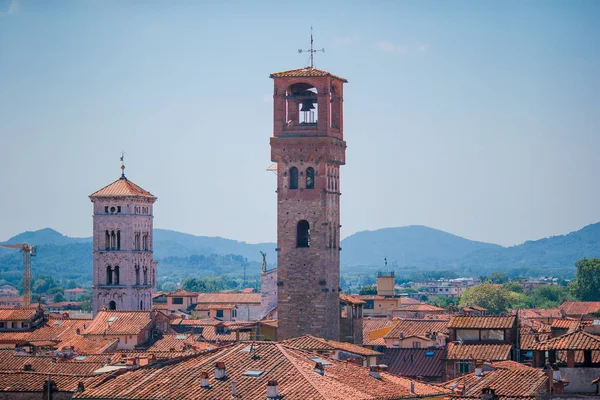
(311, 50)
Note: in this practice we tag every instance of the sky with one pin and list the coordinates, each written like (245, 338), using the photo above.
(477, 118)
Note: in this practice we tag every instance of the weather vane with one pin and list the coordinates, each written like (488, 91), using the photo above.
(311, 50)
(122, 164)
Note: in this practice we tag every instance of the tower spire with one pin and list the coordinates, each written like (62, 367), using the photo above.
(311, 50)
(123, 165)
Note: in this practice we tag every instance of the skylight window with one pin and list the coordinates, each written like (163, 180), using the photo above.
(80, 358)
(181, 337)
(429, 354)
(57, 323)
(112, 319)
(319, 360)
(255, 373)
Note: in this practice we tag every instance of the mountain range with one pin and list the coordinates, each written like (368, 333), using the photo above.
(406, 248)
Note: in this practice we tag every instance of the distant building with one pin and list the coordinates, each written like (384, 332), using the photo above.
(8, 291)
(74, 294)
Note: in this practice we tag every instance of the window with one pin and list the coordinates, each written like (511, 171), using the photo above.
(118, 240)
(177, 300)
(464, 367)
(234, 313)
(107, 239)
(293, 178)
(109, 276)
(369, 305)
(467, 334)
(116, 273)
(220, 328)
(106, 209)
(141, 308)
(145, 275)
(112, 305)
(137, 274)
(219, 313)
(310, 178)
(416, 345)
(1, 324)
(303, 234)
(492, 334)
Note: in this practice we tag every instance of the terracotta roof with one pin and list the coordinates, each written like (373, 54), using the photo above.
(484, 322)
(46, 364)
(118, 323)
(420, 308)
(18, 314)
(506, 382)
(18, 381)
(292, 369)
(425, 363)
(229, 298)
(83, 345)
(407, 300)
(181, 293)
(578, 340)
(540, 313)
(179, 342)
(221, 306)
(579, 307)
(76, 290)
(563, 323)
(416, 327)
(306, 72)
(122, 187)
(492, 352)
(344, 298)
(374, 324)
(312, 343)
(529, 337)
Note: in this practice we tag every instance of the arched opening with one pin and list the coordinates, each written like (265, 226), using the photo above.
(112, 305)
(109, 277)
(302, 105)
(303, 234)
(141, 304)
(118, 240)
(116, 275)
(145, 275)
(293, 178)
(310, 178)
(107, 241)
(137, 274)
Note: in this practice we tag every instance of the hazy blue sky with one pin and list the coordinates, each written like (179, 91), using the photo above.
(477, 118)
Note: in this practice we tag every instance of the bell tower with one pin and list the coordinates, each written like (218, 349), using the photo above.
(309, 148)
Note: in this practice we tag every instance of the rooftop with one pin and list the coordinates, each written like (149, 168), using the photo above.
(309, 342)
(578, 340)
(492, 352)
(307, 72)
(426, 363)
(122, 187)
(118, 323)
(229, 298)
(579, 307)
(416, 327)
(18, 314)
(485, 322)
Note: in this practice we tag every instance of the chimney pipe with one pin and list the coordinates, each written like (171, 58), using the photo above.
(220, 370)
(272, 389)
(412, 387)
(233, 389)
(478, 368)
(376, 370)
(319, 369)
(80, 387)
(204, 380)
(488, 393)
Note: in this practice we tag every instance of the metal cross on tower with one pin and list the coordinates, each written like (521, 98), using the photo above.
(311, 50)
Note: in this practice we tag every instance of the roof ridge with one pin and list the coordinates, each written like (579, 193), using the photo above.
(285, 354)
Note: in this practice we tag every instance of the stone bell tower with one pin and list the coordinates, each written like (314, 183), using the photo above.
(309, 148)
(124, 271)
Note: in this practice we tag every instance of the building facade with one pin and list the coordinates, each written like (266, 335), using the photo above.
(124, 270)
(309, 148)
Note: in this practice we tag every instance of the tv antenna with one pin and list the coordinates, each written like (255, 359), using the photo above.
(311, 50)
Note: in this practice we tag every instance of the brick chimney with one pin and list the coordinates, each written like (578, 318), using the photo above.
(220, 370)
(376, 370)
(272, 389)
(488, 393)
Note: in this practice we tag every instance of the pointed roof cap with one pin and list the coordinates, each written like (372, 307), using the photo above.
(122, 187)
(307, 72)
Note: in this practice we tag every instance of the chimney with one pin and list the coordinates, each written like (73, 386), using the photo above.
(319, 369)
(27, 367)
(80, 387)
(233, 389)
(204, 380)
(220, 370)
(412, 387)
(78, 331)
(488, 393)
(459, 390)
(376, 370)
(272, 390)
(478, 368)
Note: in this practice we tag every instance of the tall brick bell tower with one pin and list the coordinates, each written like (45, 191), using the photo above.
(308, 146)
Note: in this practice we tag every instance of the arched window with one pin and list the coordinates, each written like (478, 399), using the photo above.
(137, 274)
(112, 305)
(145, 275)
(109, 279)
(141, 304)
(293, 178)
(118, 240)
(107, 240)
(310, 178)
(303, 234)
(116, 278)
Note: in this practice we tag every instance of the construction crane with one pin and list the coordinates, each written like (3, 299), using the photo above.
(28, 252)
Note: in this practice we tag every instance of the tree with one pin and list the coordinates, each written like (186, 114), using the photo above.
(369, 289)
(513, 287)
(547, 296)
(499, 277)
(494, 298)
(586, 286)
(58, 297)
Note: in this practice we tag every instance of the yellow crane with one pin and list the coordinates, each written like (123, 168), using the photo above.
(28, 252)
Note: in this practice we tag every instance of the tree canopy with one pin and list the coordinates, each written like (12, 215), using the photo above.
(494, 298)
(586, 286)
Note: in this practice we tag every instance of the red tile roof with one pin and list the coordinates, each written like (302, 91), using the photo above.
(83, 345)
(492, 352)
(373, 324)
(18, 381)
(578, 340)
(420, 308)
(563, 323)
(416, 327)
(540, 313)
(46, 364)
(18, 314)
(118, 323)
(344, 298)
(312, 343)
(122, 187)
(182, 293)
(413, 363)
(228, 298)
(307, 72)
(179, 342)
(506, 382)
(292, 369)
(485, 322)
(529, 337)
(76, 290)
(579, 308)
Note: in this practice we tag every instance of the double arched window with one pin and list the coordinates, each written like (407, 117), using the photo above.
(109, 276)
(303, 234)
(310, 178)
(293, 178)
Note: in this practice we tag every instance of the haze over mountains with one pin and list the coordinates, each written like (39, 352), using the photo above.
(404, 247)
